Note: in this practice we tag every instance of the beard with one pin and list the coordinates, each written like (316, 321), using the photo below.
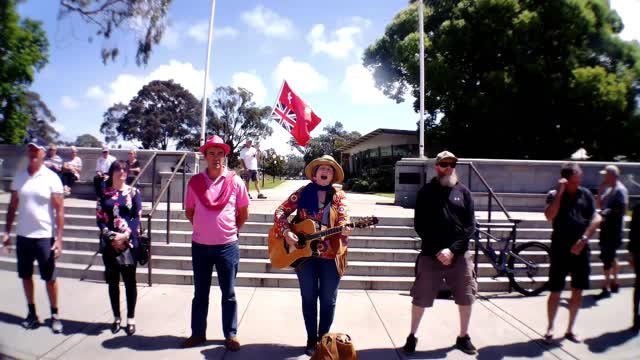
(448, 180)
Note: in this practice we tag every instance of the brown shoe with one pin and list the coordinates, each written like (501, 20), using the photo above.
(232, 344)
(193, 341)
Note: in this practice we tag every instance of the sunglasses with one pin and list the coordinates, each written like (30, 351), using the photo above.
(445, 165)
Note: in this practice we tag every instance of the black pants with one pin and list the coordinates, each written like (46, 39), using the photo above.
(636, 290)
(98, 182)
(112, 272)
(68, 179)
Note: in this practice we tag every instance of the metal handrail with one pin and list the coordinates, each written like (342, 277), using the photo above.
(144, 168)
(492, 194)
(156, 202)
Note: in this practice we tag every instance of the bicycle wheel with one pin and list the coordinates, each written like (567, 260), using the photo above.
(527, 263)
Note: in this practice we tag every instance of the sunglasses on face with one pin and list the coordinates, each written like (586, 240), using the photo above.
(445, 165)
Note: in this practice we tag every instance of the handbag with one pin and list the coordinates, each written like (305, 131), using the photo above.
(144, 249)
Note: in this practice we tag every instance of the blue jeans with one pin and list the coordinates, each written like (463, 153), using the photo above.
(318, 279)
(225, 258)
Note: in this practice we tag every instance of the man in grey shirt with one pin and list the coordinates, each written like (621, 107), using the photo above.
(613, 200)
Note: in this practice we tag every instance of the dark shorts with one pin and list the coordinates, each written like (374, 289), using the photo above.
(251, 175)
(609, 244)
(564, 263)
(430, 274)
(30, 249)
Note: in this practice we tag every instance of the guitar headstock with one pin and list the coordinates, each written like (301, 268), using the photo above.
(366, 222)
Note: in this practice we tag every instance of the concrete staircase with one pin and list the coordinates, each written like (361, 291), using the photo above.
(381, 258)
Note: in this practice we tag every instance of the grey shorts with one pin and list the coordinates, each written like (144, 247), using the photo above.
(430, 273)
(30, 249)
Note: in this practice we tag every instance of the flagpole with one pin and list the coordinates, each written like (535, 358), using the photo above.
(206, 75)
(277, 97)
(421, 29)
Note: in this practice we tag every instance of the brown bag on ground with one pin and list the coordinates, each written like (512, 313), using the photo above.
(335, 346)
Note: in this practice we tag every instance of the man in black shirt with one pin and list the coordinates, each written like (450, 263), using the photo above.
(445, 221)
(571, 209)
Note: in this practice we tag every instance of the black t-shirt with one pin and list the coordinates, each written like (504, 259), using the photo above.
(135, 164)
(444, 218)
(573, 218)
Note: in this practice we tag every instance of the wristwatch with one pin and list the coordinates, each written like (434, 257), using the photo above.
(584, 238)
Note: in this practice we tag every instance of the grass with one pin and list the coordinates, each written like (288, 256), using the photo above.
(387, 195)
(269, 183)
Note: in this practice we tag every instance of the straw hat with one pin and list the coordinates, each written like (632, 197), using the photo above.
(338, 173)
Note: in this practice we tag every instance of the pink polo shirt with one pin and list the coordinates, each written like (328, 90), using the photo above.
(217, 227)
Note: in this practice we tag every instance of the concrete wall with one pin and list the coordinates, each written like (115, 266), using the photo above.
(14, 159)
(514, 180)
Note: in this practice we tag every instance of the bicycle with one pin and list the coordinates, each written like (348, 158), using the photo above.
(518, 262)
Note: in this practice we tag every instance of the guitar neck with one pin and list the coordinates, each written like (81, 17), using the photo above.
(327, 232)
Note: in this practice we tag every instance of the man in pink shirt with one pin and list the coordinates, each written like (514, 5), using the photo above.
(217, 204)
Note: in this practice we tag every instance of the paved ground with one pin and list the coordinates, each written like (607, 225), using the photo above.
(504, 326)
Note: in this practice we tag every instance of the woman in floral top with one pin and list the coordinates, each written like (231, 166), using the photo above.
(118, 217)
(318, 276)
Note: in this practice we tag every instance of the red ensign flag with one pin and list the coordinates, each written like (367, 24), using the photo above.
(294, 115)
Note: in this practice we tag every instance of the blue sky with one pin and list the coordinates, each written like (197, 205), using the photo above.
(315, 45)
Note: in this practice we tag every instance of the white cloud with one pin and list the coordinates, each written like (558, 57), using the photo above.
(68, 103)
(628, 11)
(199, 32)
(95, 92)
(225, 31)
(126, 86)
(301, 76)
(252, 83)
(268, 22)
(360, 85)
(340, 43)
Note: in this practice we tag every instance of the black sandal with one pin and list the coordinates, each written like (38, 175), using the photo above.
(115, 327)
(131, 329)
(572, 337)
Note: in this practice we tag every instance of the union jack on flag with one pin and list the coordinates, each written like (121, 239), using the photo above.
(285, 116)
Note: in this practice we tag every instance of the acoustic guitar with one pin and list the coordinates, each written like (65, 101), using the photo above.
(309, 233)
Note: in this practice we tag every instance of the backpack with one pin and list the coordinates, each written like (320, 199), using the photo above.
(335, 346)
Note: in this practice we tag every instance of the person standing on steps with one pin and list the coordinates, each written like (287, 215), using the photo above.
(445, 221)
(249, 157)
(217, 205)
(572, 210)
(613, 200)
(37, 195)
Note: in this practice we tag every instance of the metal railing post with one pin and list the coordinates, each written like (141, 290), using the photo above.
(168, 212)
(149, 267)
(184, 180)
(153, 181)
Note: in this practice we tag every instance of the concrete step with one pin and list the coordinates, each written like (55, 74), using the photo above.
(185, 277)
(356, 267)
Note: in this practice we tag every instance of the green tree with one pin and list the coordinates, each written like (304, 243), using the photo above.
(516, 78)
(87, 140)
(273, 163)
(334, 137)
(163, 111)
(236, 118)
(294, 165)
(40, 119)
(23, 52)
(148, 18)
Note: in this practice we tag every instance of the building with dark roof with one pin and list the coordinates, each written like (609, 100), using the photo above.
(379, 148)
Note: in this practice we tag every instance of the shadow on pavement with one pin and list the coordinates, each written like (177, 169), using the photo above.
(531, 348)
(150, 343)
(604, 342)
(71, 327)
(256, 351)
(588, 301)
